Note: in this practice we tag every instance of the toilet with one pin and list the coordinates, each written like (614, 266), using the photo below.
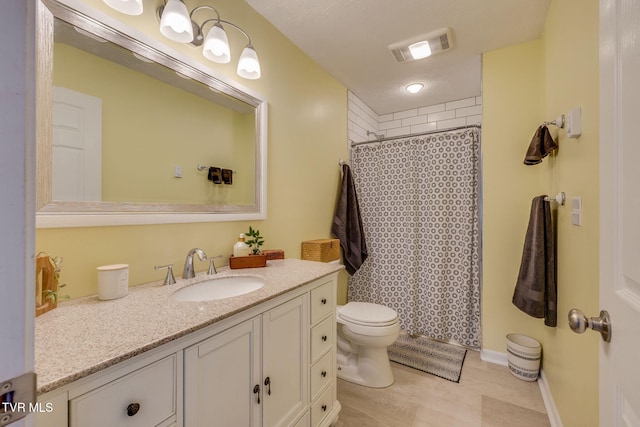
(365, 330)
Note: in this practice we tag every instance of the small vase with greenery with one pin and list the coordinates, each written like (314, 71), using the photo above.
(255, 241)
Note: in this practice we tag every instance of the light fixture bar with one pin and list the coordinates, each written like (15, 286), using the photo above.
(177, 24)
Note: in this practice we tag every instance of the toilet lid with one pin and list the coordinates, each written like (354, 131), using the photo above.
(368, 314)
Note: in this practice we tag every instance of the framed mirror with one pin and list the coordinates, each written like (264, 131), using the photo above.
(132, 133)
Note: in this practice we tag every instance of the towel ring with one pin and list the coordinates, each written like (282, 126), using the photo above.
(559, 199)
(557, 122)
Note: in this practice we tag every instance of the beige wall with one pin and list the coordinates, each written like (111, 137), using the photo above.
(522, 86)
(307, 134)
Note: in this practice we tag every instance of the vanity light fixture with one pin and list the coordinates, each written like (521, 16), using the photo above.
(177, 24)
(414, 87)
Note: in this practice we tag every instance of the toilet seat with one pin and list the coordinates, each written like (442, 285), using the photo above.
(368, 314)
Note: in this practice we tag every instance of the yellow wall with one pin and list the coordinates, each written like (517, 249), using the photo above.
(524, 85)
(307, 134)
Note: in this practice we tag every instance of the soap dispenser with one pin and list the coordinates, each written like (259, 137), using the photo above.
(241, 248)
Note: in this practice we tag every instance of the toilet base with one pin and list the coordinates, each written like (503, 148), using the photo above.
(369, 368)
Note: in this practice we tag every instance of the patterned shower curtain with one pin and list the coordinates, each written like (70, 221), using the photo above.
(419, 200)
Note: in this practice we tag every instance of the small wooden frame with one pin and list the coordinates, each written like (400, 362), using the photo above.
(249, 261)
(46, 282)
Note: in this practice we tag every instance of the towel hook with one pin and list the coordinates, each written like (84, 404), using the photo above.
(557, 122)
(560, 198)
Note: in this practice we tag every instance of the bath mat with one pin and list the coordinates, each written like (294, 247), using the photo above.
(434, 357)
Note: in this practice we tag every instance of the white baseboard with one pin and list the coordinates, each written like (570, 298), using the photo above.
(494, 357)
(549, 403)
(550, 406)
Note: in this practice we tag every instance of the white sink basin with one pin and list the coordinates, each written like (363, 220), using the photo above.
(221, 288)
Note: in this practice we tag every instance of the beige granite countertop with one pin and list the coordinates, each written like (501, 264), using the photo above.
(86, 335)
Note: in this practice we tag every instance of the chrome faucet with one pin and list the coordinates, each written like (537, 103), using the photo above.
(189, 272)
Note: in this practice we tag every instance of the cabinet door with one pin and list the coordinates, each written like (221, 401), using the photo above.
(285, 367)
(220, 375)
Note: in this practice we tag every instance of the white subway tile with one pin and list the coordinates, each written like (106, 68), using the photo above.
(469, 111)
(390, 125)
(467, 102)
(385, 117)
(474, 120)
(398, 131)
(414, 120)
(431, 109)
(444, 115)
(478, 100)
(426, 127)
(404, 114)
(446, 124)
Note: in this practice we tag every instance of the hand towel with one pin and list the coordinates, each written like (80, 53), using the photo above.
(536, 290)
(347, 224)
(541, 145)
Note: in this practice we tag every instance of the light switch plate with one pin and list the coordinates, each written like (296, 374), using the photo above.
(576, 211)
(574, 123)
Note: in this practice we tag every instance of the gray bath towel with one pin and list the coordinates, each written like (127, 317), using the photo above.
(540, 146)
(347, 224)
(535, 292)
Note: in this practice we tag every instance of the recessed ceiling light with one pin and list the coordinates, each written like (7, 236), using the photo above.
(414, 87)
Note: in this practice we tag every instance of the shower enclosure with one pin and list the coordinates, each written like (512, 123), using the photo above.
(419, 198)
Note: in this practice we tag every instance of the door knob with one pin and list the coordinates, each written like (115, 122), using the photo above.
(579, 323)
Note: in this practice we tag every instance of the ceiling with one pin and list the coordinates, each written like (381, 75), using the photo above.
(350, 38)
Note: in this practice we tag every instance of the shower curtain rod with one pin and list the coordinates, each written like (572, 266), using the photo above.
(353, 144)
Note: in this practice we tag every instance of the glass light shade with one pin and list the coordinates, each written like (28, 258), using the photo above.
(128, 7)
(420, 50)
(248, 65)
(175, 23)
(216, 45)
(414, 87)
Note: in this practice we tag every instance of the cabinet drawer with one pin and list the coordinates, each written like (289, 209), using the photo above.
(322, 407)
(322, 301)
(322, 338)
(321, 374)
(304, 421)
(153, 388)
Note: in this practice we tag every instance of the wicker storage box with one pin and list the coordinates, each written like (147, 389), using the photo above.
(323, 250)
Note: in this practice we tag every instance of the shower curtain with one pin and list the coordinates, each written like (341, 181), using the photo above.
(419, 200)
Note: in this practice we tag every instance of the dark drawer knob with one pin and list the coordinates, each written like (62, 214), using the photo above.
(133, 409)
(324, 338)
(323, 374)
(324, 408)
(323, 300)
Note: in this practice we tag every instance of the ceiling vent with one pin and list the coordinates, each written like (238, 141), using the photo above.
(416, 48)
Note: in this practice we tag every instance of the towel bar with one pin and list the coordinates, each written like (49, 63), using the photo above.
(559, 199)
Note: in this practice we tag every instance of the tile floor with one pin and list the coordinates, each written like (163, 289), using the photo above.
(487, 396)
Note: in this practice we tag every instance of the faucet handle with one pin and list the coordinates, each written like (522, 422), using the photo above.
(169, 280)
(212, 267)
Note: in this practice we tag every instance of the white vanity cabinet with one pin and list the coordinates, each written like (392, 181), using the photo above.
(252, 374)
(269, 365)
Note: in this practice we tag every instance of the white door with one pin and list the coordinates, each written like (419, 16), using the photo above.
(17, 192)
(77, 146)
(620, 210)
